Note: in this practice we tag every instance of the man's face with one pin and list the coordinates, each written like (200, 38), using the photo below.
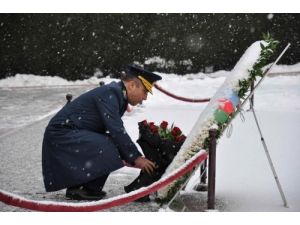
(136, 92)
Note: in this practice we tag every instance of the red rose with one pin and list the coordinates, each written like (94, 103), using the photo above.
(176, 131)
(153, 128)
(164, 125)
(145, 123)
(180, 138)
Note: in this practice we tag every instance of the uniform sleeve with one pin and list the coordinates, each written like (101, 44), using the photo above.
(109, 107)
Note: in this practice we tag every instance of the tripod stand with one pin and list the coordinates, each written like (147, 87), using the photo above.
(268, 155)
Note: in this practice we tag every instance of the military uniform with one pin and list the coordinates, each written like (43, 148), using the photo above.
(86, 139)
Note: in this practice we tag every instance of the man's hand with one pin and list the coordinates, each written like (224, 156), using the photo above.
(144, 164)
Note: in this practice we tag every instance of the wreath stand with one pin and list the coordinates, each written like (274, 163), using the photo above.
(251, 101)
(269, 157)
(210, 187)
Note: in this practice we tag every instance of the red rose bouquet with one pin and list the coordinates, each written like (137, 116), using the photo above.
(173, 133)
(160, 144)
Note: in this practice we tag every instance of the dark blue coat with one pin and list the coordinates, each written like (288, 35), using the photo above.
(86, 139)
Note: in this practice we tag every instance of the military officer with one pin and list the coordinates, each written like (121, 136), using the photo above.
(86, 140)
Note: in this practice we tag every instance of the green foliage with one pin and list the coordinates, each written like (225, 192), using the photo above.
(257, 70)
(177, 185)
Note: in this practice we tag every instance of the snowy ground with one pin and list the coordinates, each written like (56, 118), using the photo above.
(244, 179)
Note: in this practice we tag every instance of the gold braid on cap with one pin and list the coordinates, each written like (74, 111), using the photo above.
(146, 83)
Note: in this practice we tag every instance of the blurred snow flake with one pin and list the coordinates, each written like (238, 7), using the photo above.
(88, 164)
(270, 16)
(194, 42)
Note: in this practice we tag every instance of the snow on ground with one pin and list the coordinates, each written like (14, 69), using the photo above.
(244, 179)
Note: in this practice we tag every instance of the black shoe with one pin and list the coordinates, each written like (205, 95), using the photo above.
(82, 193)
